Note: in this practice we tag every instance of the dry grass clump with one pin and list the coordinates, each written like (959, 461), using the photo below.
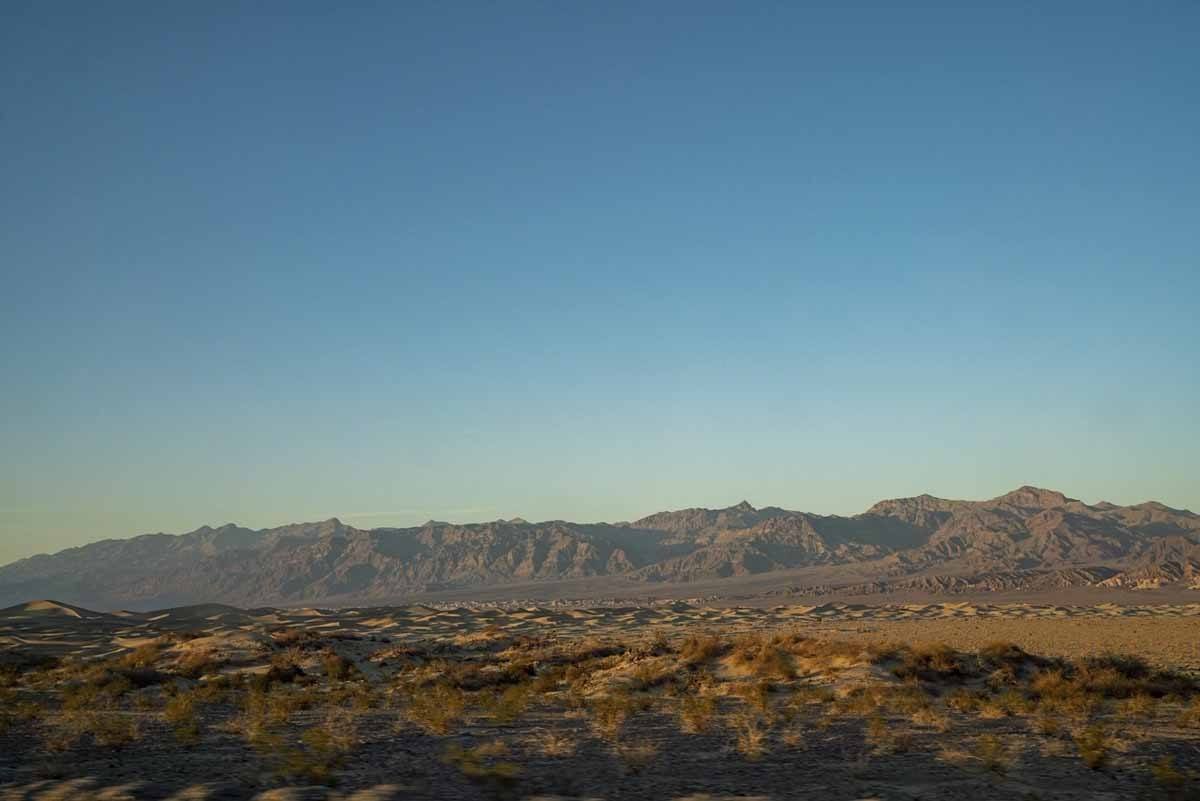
(549, 679)
(277, 704)
(553, 743)
(180, 713)
(484, 764)
(1174, 783)
(197, 664)
(608, 713)
(929, 718)
(313, 758)
(637, 754)
(506, 706)
(750, 728)
(885, 737)
(10, 676)
(338, 667)
(811, 695)
(993, 754)
(144, 656)
(106, 729)
(823, 656)
(1141, 705)
(860, 700)
(933, 662)
(1095, 746)
(755, 695)
(1190, 716)
(699, 649)
(761, 656)
(654, 672)
(697, 712)
(1009, 703)
(437, 709)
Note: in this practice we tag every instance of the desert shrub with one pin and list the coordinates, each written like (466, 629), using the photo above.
(213, 691)
(761, 657)
(359, 697)
(337, 667)
(436, 709)
(998, 654)
(298, 638)
(1003, 677)
(508, 705)
(930, 662)
(992, 754)
(609, 712)
(180, 713)
(144, 656)
(638, 754)
(548, 680)
(696, 713)
(810, 694)
(1137, 706)
(277, 704)
(929, 718)
(750, 730)
(1094, 746)
(196, 664)
(756, 695)
(484, 764)
(106, 729)
(113, 730)
(1125, 665)
(314, 760)
(651, 673)
(10, 675)
(824, 655)
(698, 649)
(877, 730)
(99, 690)
(962, 700)
(553, 743)
(1172, 780)
(1190, 716)
(1054, 684)
(1047, 723)
(280, 672)
(884, 737)
(863, 699)
(903, 700)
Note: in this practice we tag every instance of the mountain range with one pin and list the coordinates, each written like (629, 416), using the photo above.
(1029, 538)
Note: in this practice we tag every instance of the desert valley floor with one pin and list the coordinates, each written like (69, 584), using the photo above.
(831, 701)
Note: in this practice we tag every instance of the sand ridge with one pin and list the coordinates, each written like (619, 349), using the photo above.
(51, 628)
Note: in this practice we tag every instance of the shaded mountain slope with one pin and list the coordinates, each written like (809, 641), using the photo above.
(1028, 537)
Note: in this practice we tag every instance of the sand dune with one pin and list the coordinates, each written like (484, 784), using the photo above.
(1159, 631)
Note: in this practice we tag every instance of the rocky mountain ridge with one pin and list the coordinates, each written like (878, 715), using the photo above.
(1027, 538)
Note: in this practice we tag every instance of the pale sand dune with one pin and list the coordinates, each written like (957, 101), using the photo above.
(1162, 633)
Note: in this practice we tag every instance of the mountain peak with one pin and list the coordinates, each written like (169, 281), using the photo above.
(744, 506)
(1034, 498)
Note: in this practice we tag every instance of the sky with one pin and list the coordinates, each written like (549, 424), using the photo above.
(275, 262)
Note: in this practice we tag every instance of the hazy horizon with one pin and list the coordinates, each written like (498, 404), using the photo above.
(398, 263)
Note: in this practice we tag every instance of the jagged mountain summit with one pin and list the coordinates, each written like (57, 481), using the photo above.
(1027, 538)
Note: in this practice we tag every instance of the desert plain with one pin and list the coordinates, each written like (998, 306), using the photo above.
(669, 700)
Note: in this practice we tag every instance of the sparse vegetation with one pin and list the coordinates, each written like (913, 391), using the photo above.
(305, 704)
(1095, 746)
(437, 709)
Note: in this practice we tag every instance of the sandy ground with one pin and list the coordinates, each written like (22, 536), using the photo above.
(810, 752)
(1167, 635)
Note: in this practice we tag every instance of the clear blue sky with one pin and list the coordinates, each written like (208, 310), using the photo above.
(390, 261)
